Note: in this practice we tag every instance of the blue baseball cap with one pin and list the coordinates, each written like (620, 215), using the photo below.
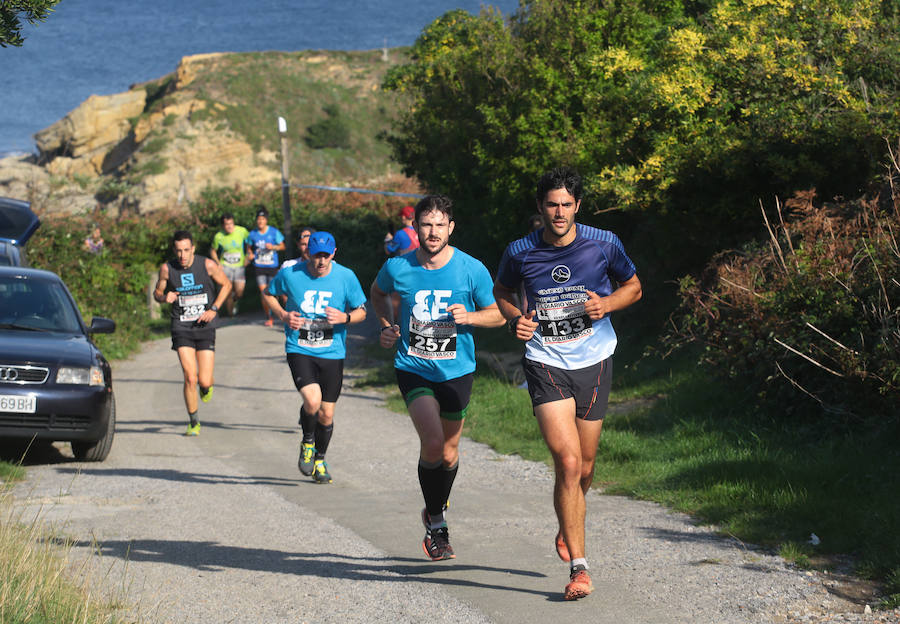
(321, 242)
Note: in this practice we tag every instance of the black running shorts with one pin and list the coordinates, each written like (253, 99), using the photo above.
(452, 395)
(200, 339)
(589, 386)
(308, 369)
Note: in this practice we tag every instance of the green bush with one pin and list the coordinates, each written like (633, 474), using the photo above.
(811, 318)
(691, 110)
(331, 131)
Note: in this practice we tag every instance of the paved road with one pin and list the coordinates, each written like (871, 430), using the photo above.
(223, 528)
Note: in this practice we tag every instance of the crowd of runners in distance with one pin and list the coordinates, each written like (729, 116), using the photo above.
(554, 291)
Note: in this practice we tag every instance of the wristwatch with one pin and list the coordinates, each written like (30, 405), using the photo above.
(214, 308)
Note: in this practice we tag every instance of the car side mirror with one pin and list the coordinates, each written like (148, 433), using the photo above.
(100, 325)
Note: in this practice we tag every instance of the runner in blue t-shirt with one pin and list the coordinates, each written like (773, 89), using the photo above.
(322, 298)
(556, 288)
(265, 242)
(443, 293)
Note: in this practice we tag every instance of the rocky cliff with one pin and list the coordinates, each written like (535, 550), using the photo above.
(209, 124)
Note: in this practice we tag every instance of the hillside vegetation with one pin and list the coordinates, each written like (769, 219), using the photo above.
(214, 123)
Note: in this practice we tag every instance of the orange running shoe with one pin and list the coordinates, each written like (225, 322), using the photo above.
(561, 549)
(579, 584)
(437, 544)
(268, 322)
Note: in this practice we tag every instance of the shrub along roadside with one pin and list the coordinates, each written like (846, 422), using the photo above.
(810, 319)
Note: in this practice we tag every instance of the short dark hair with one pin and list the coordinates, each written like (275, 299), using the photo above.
(306, 228)
(561, 177)
(227, 216)
(429, 203)
(182, 235)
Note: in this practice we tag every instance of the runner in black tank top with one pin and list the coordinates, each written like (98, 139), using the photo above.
(195, 291)
(189, 283)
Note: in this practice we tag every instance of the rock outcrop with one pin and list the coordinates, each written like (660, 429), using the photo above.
(161, 143)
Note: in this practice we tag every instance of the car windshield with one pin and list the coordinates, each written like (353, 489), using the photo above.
(36, 305)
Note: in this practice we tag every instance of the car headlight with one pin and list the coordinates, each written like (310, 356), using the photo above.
(92, 376)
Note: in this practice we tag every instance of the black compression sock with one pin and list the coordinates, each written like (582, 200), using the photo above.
(308, 425)
(323, 438)
(431, 481)
(193, 417)
(448, 475)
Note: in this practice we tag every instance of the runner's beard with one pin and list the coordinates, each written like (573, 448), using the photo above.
(431, 254)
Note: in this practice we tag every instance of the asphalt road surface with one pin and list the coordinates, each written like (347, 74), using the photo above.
(224, 528)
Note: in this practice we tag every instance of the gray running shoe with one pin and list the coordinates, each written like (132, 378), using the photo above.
(320, 472)
(305, 462)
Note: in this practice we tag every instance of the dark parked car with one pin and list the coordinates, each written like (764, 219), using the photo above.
(55, 383)
(17, 224)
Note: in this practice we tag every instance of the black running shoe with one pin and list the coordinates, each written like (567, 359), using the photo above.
(437, 544)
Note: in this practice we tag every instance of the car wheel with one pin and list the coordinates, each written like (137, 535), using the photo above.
(97, 451)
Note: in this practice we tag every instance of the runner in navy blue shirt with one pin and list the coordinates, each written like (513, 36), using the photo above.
(556, 288)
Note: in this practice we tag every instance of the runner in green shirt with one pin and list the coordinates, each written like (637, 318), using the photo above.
(229, 249)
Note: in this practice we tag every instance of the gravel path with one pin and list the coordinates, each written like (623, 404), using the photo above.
(223, 528)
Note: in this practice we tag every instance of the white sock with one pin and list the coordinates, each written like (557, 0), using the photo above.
(580, 561)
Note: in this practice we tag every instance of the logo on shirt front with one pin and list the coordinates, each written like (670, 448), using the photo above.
(187, 279)
(431, 305)
(315, 301)
(561, 274)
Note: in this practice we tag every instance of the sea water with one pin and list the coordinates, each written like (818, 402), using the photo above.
(100, 47)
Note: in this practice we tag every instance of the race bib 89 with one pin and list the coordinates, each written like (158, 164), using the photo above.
(315, 333)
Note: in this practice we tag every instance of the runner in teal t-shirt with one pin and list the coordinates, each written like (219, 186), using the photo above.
(444, 292)
(265, 243)
(323, 297)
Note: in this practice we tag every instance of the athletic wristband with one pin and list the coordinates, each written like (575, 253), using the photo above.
(348, 319)
(388, 327)
(511, 325)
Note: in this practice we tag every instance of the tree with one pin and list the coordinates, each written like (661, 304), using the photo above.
(13, 11)
(685, 112)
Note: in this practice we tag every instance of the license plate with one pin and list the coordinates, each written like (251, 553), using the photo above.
(19, 404)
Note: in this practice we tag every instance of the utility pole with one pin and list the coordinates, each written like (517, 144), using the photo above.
(285, 189)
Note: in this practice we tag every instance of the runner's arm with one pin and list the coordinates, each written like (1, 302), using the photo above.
(218, 276)
(213, 255)
(522, 327)
(488, 316)
(381, 302)
(336, 317)
(626, 294)
(275, 305)
(159, 293)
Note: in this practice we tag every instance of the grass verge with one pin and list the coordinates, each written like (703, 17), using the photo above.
(35, 586)
(704, 449)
